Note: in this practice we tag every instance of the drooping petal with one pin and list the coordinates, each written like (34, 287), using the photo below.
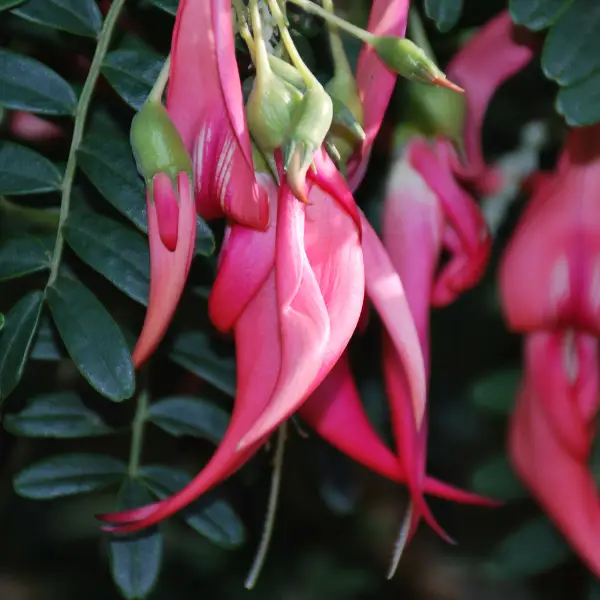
(386, 292)
(550, 271)
(494, 54)
(168, 269)
(303, 319)
(335, 412)
(467, 236)
(205, 102)
(559, 479)
(375, 81)
(245, 262)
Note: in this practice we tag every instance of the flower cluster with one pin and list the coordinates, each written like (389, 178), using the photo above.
(300, 264)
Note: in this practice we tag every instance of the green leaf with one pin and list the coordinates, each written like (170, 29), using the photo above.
(593, 592)
(537, 14)
(185, 415)
(81, 17)
(496, 393)
(109, 165)
(496, 479)
(17, 335)
(205, 240)
(192, 351)
(572, 49)
(214, 519)
(532, 549)
(2, 321)
(445, 13)
(27, 84)
(115, 251)
(67, 475)
(60, 415)
(24, 171)
(580, 103)
(169, 6)
(6, 4)
(132, 74)
(93, 340)
(135, 559)
(23, 255)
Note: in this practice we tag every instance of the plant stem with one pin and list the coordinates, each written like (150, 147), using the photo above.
(81, 112)
(315, 9)
(261, 553)
(160, 84)
(137, 435)
(340, 60)
(280, 20)
(418, 34)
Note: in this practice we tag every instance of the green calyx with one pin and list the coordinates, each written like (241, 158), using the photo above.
(348, 115)
(270, 110)
(156, 143)
(312, 121)
(405, 58)
(438, 111)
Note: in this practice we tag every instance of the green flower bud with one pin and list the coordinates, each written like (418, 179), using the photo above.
(407, 59)
(156, 143)
(309, 127)
(438, 111)
(270, 109)
(287, 72)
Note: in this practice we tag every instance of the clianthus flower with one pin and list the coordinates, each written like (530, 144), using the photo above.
(298, 254)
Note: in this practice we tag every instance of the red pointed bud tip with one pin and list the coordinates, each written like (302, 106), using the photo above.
(160, 156)
(408, 60)
(309, 128)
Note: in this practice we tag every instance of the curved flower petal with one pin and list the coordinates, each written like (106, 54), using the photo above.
(302, 316)
(467, 236)
(494, 54)
(205, 102)
(335, 412)
(375, 81)
(559, 480)
(168, 269)
(551, 268)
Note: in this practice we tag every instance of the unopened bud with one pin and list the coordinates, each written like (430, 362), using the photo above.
(270, 110)
(407, 59)
(156, 143)
(310, 125)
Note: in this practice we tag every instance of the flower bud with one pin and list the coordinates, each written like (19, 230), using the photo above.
(270, 110)
(438, 111)
(407, 59)
(310, 125)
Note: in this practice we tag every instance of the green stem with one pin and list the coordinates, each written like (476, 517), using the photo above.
(160, 84)
(418, 34)
(315, 9)
(265, 541)
(137, 434)
(340, 60)
(280, 19)
(83, 106)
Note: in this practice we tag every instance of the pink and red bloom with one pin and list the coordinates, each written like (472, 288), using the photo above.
(292, 295)
(550, 286)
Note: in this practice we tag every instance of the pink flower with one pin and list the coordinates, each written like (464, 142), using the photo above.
(292, 296)
(549, 284)
(205, 102)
